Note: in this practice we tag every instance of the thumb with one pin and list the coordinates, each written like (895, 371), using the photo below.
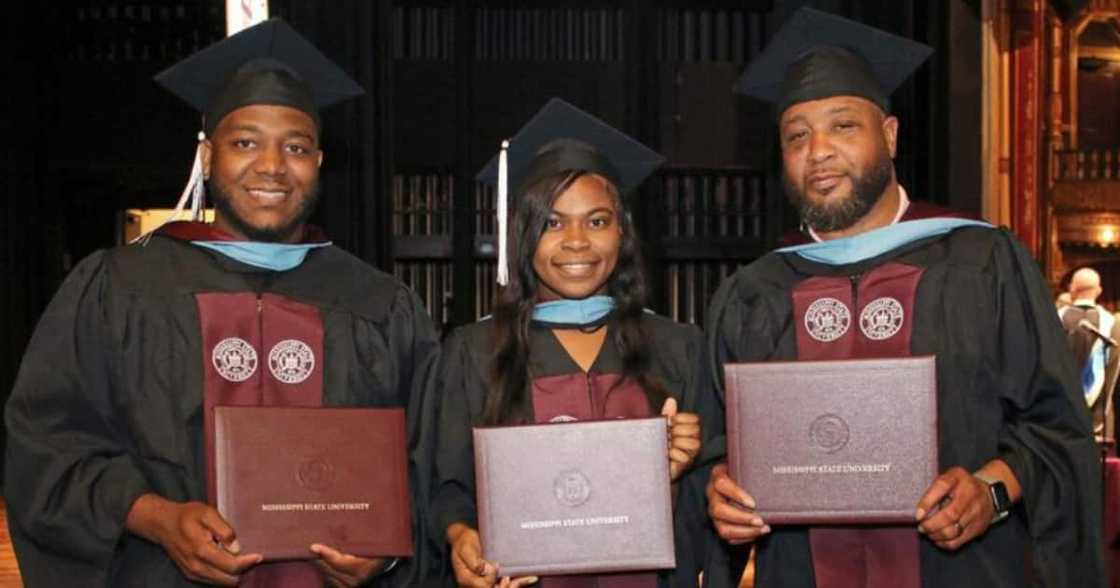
(669, 409)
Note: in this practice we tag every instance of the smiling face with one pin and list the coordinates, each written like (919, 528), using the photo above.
(578, 250)
(262, 163)
(837, 159)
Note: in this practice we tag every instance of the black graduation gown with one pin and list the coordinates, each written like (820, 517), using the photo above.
(464, 373)
(108, 401)
(1007, 388)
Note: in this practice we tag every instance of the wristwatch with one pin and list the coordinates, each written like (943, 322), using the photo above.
(1001, 500)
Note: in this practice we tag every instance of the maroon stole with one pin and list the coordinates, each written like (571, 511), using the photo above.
(868, 316)
(260, 350)
(590, 396)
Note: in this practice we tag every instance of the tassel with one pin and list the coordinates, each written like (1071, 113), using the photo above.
(194, 192)
(503, 214)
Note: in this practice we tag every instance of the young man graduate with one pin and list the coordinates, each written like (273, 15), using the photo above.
(109, 455)
(1017, 502)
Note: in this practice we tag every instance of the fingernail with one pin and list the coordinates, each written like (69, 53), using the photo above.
(920, 514)
(765, 529)
(234, 547)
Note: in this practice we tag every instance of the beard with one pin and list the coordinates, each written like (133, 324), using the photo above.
(826, 217)
(223, 202)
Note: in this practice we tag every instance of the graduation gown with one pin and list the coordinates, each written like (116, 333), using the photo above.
(563, 392)
(1084, 344)
(1007, 388)
(109, 401)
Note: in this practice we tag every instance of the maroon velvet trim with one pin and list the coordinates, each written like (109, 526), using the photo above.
(269, 325)
(199, 231)
(591, 396)
(582, 396)
(871, 555)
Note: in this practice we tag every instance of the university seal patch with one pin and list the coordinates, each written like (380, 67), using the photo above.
(827, 319)
(881, 319)
(234, 359)
(291, 361)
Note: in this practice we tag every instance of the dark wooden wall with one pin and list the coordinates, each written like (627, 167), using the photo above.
(88, 134)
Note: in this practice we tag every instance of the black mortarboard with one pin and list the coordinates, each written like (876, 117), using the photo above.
(268, 63)
(818, 55)
(562, 138)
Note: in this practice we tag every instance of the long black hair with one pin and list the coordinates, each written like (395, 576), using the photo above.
(509, 399)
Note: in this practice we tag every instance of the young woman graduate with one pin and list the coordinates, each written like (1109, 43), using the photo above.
(569, 338)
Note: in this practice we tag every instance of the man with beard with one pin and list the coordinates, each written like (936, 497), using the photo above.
(1017, 501)
(110, 431)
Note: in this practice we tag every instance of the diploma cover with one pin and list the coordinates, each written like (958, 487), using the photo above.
(833, 442)
(575, 498)
(290, 477)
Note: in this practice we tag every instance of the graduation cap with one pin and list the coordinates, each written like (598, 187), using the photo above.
(562, 138)
(818, 55)
(268, 63)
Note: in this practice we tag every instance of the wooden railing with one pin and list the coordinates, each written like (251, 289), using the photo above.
(1087, 166)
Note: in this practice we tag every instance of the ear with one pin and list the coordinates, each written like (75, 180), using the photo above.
(205, 150)
(890, 134)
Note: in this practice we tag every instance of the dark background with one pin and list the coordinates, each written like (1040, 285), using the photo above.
(87, 134)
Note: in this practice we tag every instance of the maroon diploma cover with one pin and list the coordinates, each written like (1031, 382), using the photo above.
(575, 498)
(833, 442)
(290, 477)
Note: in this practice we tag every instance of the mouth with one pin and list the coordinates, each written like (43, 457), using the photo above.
(576, 269)
(824, 182)
(268, 195)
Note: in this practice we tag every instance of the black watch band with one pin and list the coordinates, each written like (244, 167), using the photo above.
(1001, 500)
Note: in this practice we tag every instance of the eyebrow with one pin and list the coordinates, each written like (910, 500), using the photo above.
(294, 133)
(606, 209)
(839, 109)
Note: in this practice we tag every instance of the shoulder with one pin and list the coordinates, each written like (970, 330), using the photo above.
(659, 325)
(970, 247)
(337, 278)
(470, 344)
(767, 278)
(474, 333)
(671, 340)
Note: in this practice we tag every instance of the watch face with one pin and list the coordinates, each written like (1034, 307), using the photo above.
(1000, 499)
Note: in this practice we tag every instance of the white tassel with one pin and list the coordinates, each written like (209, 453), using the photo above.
(503, 214)
(195, 192)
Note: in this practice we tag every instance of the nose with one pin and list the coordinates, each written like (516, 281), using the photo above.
(820, 148)
(575, 237)
(271, 161)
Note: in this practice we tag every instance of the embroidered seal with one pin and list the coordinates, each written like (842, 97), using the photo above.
(315, 473)
(234, 359)
(291, 361)
(829, 432)
(572, 488)
(882, 318)
(827, 319)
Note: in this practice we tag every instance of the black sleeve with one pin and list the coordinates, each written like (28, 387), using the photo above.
(460, 393)
(415, 346)
(1046, 437)
(690, 518)
(70, 474)
(738, 328)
